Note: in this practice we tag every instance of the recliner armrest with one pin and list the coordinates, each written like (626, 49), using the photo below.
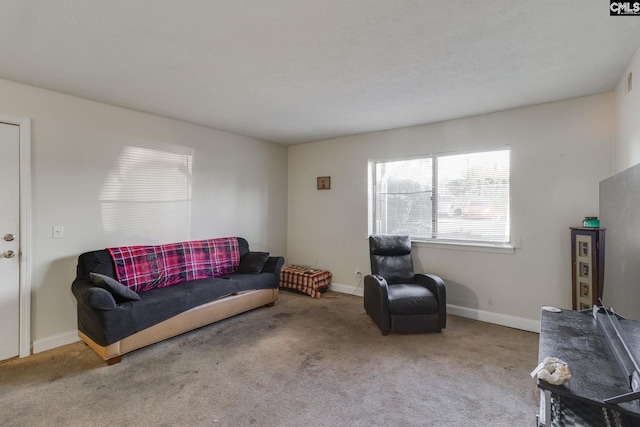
(376, 297)
(436, 285)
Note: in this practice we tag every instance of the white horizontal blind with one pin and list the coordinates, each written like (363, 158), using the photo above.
(473, 196)
(452, 197)
(403, 197)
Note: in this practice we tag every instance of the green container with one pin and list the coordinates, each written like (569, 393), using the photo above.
(591, 222)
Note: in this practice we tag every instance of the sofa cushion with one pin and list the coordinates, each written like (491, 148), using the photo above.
(253, 263)
(243, 246)
(245, 282)
(160, 304)
(95, 262)
(120, 292)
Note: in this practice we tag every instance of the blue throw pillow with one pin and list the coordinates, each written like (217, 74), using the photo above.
(119, 291)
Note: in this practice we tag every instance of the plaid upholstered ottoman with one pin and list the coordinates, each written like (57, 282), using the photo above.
(310, 281)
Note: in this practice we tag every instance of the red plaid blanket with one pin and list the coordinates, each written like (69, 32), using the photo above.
(142, 268)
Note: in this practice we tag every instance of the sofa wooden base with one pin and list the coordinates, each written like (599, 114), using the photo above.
(195, 318)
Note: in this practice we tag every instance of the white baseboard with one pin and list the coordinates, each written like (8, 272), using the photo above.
(348, 289)
(495, 318)
(470, 313)
(55, 341)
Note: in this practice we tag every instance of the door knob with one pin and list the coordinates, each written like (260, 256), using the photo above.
(8, 254)
(9, 237)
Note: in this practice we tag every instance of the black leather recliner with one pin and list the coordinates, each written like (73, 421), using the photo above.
(398, 300)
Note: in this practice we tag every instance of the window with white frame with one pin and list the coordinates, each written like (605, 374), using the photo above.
(453, 197)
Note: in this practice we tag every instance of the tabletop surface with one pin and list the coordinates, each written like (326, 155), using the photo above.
(576, 338)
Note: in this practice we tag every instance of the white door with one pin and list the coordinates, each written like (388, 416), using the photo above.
(9, 241)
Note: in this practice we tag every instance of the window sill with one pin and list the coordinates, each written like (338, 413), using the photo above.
(474, 247)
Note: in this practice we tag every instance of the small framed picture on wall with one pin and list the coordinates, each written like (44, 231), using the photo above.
(324, 183)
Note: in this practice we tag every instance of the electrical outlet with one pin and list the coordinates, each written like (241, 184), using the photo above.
(57, 232)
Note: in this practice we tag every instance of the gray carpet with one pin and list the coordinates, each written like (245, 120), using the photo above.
(304, 362)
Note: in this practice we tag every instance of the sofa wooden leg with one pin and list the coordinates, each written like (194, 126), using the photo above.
(271, 304)
(114, 360)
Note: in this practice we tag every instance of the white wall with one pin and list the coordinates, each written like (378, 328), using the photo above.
(560, 152)
(627, 151)
(85, 156)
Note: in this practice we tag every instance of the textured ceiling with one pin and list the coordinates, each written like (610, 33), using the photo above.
(293, 71)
